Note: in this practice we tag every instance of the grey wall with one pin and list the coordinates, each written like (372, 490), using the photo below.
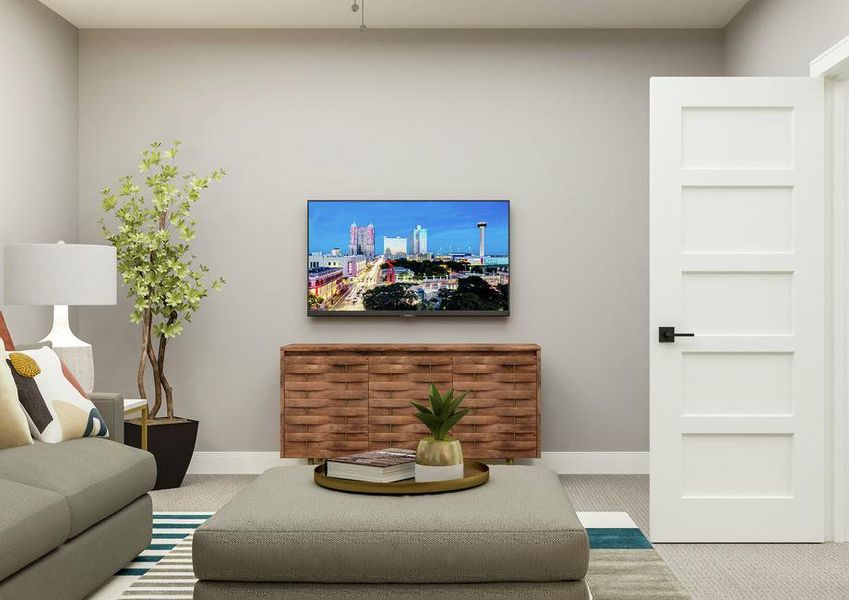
(38, 149)
(781, 37)
(555, 121)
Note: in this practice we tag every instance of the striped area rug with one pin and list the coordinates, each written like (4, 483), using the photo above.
(164, 569)
(623, 564)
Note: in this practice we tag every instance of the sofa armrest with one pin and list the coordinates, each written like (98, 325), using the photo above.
(111, 407)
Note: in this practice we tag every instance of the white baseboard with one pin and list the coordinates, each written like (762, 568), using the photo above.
(565, 463)
(596, 463)
(237, 463)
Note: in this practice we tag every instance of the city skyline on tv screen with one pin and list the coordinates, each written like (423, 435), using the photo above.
(410, 256)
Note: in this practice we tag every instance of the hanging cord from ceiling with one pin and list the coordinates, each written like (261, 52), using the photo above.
(355, 8)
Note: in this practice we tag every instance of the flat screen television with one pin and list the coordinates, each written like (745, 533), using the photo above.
(408, 258)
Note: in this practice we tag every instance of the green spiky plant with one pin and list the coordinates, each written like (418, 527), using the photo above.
(443, 414)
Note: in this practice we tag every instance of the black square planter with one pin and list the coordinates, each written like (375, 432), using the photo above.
(172, 445)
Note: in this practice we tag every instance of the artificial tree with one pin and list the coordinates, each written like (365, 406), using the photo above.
(152, 240)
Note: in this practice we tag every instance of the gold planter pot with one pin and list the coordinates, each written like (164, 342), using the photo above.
(439, 460)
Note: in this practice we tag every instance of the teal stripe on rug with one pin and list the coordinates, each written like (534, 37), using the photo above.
(617, 539)
(132, 571)
(149, 558)
(170, 536)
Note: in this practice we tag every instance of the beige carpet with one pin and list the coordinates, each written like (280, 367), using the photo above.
(714, 571)
(709, 571)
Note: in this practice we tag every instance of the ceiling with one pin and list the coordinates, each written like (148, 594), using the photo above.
(397, 14)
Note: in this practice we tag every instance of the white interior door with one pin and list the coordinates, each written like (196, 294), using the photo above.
(737, 258)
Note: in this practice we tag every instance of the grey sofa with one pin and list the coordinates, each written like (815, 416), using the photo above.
(73, 513)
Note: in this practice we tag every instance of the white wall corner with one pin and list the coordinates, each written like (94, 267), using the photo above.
(564, 463)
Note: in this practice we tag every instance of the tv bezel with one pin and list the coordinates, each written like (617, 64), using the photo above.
(410, 313)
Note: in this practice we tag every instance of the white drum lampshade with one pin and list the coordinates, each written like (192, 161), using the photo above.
(62, 275)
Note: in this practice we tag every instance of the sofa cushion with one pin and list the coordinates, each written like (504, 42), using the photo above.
(520, 526)
(32, 523)
(97, 477)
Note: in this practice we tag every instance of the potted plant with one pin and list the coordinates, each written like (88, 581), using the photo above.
(440, 457)
(152, 239)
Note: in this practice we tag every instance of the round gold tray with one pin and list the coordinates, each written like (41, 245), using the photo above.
(475, 474)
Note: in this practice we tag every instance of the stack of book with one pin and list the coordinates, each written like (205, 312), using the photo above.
(379, 466)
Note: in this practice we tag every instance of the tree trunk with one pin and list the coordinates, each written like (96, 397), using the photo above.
(155, 362)
(143, 357)
(169, 391)
(157, 379)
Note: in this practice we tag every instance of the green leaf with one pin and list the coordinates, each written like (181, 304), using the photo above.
(456, 403)
(431, 422)
(435, 400)
(446, 404)
(423, 409)
(446, 426)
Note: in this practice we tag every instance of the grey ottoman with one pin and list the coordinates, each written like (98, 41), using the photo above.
(515, 537)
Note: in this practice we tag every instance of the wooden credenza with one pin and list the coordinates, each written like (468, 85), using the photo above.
(339, 399)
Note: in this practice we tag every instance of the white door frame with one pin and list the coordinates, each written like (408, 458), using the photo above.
(833, 66)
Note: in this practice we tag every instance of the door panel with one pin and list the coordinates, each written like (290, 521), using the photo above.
(737, 219)
(737, 258)
(737, 383)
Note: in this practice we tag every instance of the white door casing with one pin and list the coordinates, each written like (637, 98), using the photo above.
(737, 257)
(833, 66)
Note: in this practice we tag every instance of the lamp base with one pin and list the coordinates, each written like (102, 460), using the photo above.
(73, 351)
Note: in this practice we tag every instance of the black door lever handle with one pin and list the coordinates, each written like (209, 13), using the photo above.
(667, 335)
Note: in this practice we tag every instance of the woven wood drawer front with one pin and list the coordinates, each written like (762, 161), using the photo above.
(503, 390)
(325, 404)
(395, 380)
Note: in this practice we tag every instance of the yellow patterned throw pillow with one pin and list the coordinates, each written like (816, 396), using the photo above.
(14, 430)
(24, 365)
(56, 410)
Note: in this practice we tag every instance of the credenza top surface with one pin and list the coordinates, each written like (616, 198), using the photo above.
(410, 348)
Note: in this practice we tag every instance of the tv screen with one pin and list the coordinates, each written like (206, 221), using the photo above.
(408, 257)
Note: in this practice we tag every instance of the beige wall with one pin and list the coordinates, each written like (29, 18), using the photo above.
(555, 121)
(38, 149)
(781, 37)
